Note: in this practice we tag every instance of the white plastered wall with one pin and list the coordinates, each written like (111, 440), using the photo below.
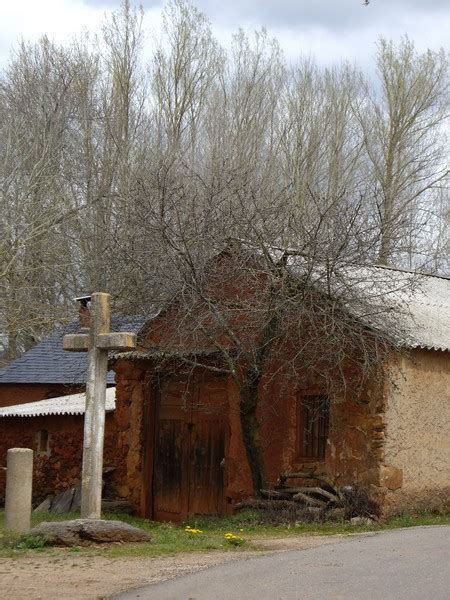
(418, 429)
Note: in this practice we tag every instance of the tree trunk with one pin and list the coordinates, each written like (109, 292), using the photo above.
(250, 432)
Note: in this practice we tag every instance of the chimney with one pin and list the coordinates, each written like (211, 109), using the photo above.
(84, 312)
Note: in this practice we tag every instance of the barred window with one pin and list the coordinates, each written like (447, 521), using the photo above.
(43, 441)
(313, 423)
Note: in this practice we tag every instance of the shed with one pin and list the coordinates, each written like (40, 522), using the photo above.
(185, 437)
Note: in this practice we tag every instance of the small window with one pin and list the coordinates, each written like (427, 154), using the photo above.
(313, 422)
(43, 441)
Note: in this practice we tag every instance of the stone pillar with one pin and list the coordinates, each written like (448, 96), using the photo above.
(19, 480)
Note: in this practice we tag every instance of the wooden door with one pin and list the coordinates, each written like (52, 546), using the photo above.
(170, 475)
(207, 446)
(190, 441)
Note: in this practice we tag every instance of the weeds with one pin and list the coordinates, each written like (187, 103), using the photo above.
(31, 542)
(171, 539)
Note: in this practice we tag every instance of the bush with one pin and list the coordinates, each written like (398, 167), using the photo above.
(357, 503)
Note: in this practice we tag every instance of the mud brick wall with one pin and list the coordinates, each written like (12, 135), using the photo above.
(355, 447)
(57, 466)
(354, 453)
(132, 428)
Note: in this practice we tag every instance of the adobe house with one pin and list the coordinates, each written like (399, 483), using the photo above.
(175, 436)
(178, 407)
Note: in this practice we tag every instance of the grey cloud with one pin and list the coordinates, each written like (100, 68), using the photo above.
(107, 4)
(303, 14)
(329, 14)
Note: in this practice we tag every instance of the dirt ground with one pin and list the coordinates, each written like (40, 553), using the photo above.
(63, 575)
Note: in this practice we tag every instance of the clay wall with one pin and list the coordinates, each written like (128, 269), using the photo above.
(356, 430)
(57, 465)
(133, 426)
(417, 453)
(353, 455)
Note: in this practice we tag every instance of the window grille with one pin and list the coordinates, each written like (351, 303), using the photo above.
(313, 422)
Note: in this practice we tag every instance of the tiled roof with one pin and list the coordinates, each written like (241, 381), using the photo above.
(47, 362)
(74, 404)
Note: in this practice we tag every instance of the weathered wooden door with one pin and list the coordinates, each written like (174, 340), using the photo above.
(190, 440)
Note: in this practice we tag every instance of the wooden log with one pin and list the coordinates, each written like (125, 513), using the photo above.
(300, 475)
(305, 475)
(121, 340)
(94, 418)
(274, 494)
(313, 490)
(76, 342)
(300, 496)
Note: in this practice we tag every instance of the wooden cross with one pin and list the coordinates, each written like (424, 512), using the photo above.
(96, 342)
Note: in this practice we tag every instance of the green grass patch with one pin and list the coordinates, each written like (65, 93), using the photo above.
(171, 539)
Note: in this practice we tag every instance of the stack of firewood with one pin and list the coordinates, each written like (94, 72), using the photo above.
(317, 492)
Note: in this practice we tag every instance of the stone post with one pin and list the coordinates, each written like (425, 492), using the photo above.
(19, 484)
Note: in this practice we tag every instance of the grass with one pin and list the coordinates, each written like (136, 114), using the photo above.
(169, 539)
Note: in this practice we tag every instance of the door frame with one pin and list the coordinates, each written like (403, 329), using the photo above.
(151, 419)
(152, 392)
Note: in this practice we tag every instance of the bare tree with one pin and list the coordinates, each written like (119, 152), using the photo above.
(127, 177)
(403, 132)
(35, 99)
(185, 66)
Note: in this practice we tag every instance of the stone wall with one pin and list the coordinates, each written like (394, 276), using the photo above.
(356, 433)
(131, 404)
(57, 462)
(417, 452)
(353, 456)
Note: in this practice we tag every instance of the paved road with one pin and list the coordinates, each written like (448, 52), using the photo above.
(408, 564)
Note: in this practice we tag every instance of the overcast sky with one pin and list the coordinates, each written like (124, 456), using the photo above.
(330, 30)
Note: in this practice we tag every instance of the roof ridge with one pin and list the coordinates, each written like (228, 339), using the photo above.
(292, 251)
(413, 272)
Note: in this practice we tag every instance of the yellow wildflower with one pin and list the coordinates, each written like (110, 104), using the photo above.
(190, 529)
(233, 539)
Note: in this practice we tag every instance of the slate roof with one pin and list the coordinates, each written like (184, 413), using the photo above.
(48, 363)
(73, 404)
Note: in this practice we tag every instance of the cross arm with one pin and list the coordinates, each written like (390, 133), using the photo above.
(76, 342)
(116, 341)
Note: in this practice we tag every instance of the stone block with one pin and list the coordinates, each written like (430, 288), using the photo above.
(44, 506)
(391, 477)
(83, 532)
(362, 521)
(371, 477)
(369, 422)
(63, 503)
